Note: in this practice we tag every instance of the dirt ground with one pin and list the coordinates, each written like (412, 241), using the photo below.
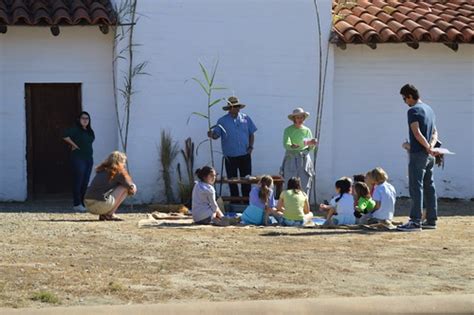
(86, 262)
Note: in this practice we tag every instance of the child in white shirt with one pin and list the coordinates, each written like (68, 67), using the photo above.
(384, 195)
(341, 208)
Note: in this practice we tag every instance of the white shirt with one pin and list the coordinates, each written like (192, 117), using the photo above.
(204, 201)
(385, 194)
(345, 205)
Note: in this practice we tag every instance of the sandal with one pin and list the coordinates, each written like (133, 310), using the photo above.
(107, 217)
(113, 217)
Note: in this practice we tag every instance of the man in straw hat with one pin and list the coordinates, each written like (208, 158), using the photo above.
(236, 131)
(298, 141)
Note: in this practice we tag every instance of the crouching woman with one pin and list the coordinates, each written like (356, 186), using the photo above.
(109, 188)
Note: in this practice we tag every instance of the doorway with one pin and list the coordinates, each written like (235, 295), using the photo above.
(51, 108)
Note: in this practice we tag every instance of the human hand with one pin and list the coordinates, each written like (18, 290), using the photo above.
(294, 146)
(406, 145)
(218, 214)
(74, 147)
(210, 134)
(249, 150)
(431, 152)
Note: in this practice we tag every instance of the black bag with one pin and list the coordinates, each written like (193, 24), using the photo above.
(439, 159)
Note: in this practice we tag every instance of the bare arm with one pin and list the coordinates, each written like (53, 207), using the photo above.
(69, 141)
(434, 137)
(415, 128)
(281, 205)
(377, 206)
(306, 206)
(212, 135)
(251, 141)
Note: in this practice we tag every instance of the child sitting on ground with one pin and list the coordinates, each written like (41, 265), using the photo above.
(262, 203)
(384, 196)
(204, 206)
(341, 208)
(294, 204)
(364, 202)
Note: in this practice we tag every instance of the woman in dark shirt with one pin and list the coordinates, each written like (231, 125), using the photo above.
(109, 188)
(80, 138)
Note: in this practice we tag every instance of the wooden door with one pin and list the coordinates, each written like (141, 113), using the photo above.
(50, 109)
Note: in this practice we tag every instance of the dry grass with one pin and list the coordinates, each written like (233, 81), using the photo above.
(88, 262)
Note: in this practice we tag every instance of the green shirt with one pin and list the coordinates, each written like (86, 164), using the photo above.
(294, 204)
(83, 139)
(366, 204)
(293, 135)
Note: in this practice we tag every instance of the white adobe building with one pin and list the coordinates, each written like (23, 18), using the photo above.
(268, 56)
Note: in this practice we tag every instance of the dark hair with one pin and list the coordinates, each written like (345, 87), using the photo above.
(362, 190)
(409, 89)
(265, 183)
(344, 184)
(359, 178)
(88, 127)
(294, 183)
(203, 172)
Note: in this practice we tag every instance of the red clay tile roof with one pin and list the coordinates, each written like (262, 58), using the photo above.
(394, 21)
(56, 12)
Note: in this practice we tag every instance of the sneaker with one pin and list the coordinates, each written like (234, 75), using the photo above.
(426, 225)
(79, 208)
(410, 226)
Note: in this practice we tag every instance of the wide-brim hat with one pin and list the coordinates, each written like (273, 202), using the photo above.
(298, 112)
(233, 102)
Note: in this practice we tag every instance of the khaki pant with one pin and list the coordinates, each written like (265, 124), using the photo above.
(100, 206)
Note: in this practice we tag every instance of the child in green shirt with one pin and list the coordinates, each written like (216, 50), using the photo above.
(365, 203)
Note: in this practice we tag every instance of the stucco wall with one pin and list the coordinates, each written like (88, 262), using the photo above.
(268, 58)
(33, 55)
(369, 119)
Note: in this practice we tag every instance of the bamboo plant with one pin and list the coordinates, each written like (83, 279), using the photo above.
(208, 86)
(124, 46)
(321, 89)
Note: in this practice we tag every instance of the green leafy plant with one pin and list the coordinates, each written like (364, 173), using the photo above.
(186, 187)
(169, 150)
(208, 86)
(45, 297)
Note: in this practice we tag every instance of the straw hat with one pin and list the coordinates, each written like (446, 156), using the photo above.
(233, 102)
(298, 112)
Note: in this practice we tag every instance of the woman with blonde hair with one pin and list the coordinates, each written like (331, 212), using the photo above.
(109, 188)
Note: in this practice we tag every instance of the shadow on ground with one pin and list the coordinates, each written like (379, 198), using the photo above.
(447, 207)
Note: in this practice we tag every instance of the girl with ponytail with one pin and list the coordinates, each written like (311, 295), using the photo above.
(262, 203)
(341, 208)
